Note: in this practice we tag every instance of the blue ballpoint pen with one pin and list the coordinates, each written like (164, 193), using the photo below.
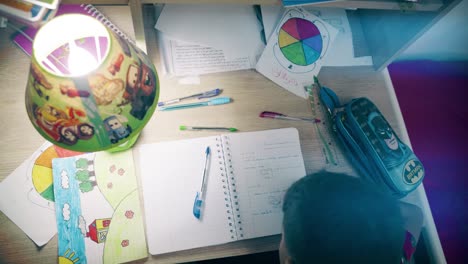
(206, 94)
(215, 101)
(197, 204)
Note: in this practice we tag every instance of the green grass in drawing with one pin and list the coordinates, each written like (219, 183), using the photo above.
(98, 208)
(124, 240)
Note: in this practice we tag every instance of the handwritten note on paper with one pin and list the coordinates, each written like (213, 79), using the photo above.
(296, 50)
(263, 174)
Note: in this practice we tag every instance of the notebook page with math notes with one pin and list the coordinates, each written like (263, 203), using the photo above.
(264, 166)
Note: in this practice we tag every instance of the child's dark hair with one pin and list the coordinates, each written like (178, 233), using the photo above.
(336, 218)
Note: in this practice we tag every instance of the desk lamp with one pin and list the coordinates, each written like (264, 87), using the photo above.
(88, 88)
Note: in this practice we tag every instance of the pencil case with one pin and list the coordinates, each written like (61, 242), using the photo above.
(372, 146)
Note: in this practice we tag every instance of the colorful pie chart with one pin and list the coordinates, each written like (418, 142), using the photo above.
(300, 41)
(41, 174)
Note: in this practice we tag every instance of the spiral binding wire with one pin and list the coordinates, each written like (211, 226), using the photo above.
(230, 183)
(94, 12)
(225, 185)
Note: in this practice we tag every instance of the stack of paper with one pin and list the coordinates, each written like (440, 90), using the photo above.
(199, 39)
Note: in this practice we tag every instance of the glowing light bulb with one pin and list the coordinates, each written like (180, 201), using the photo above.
(80, 61)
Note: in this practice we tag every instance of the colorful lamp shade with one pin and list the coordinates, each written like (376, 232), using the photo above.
(88, 88)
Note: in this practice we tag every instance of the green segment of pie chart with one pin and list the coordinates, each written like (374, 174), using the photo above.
(295, 54)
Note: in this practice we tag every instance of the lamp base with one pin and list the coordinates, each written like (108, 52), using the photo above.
(125, 146)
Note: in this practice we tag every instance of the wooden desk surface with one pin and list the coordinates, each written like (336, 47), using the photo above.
(251, 92)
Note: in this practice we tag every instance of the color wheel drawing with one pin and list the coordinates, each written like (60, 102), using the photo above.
(300, 41)
(41, 174)
(296, 50)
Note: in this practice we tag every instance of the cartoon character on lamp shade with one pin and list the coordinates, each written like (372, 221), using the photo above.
(63, 126)
(140, 89)
(115, 128)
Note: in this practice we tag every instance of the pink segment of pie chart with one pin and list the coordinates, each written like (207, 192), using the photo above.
(291, 27)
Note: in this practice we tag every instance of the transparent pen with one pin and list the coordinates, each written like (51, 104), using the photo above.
(206, 94)
(197, 204)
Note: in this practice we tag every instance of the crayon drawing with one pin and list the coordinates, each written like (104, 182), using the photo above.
(42, 191)
(99, 218)
(27, 194)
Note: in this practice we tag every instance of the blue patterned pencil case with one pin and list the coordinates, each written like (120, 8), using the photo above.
(372, 146)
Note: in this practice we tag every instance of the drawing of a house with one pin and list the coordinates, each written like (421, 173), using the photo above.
(98, 230)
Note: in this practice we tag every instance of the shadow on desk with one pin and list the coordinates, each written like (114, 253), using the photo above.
(265, 257)
(438, 136)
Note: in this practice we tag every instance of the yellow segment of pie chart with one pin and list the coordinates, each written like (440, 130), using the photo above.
(41, 174)
(284, 39)
(42, 178)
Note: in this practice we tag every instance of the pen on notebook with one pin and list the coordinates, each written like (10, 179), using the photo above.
(274, 115)
(197, 204)
(215, 101)
(230, 129)
(206, 94)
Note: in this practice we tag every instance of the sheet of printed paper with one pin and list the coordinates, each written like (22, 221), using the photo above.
(189, 59)
(99, 216)
(27, 194)
(235, 28)
(296, 50)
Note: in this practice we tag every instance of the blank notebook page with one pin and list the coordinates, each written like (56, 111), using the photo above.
(171, 174)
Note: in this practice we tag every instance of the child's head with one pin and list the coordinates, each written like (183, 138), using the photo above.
(335, 218)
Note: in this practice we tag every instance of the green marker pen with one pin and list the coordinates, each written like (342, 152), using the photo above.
(230, 129)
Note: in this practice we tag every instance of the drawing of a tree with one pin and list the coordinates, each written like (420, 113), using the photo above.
(87, 178)
(83, 163)
(86, 186)
(84, 175)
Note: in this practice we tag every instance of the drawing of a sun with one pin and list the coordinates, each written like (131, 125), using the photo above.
(67, 258)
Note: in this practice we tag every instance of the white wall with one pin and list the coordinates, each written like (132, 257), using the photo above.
(446, 40)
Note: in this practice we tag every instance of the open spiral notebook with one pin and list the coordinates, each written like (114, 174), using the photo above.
(248, 174)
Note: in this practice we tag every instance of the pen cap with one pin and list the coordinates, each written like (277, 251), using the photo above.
(269, 114)
(220, 100)
(211, 93)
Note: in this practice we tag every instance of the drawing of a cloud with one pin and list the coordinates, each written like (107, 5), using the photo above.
(82, 225)
(66, 212)
(65, 184)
